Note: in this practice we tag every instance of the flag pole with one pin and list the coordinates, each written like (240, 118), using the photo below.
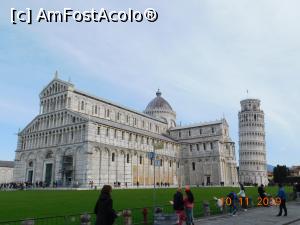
(156, 146)
(154, 182)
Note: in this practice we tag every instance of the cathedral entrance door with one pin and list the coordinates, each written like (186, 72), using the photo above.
(48, 174)
(68, 178)
(30, 176)
(208, 180)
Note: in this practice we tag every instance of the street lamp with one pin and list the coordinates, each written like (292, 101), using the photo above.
(156, 146)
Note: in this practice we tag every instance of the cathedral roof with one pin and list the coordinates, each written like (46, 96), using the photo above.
(9, 164)
(200, 124)
(158, 104)
(118, 105)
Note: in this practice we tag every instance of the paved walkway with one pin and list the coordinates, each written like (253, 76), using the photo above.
(261, 216)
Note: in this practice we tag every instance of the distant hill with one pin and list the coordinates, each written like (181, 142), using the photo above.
(270, 168)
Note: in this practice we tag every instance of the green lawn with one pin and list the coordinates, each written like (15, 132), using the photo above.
(31, 204)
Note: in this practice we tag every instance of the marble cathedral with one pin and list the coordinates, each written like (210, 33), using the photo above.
(78, 138)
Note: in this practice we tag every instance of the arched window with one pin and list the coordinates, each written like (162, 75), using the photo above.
(30, 164)
(82, 105)
(113, 157)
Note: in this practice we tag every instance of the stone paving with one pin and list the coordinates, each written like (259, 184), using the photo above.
(261, 216)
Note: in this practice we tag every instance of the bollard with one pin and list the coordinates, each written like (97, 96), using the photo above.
(250, 205)
(145, 215)
(298, 196)
(206, 209)
(85, 219)
(27, 222)
(158, 210)
(127, 217)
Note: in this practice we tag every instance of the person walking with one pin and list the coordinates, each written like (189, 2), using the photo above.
(281, 194)
(242, 194)
(178, 206)
(232, 206)
(189, 205)
(105, 214)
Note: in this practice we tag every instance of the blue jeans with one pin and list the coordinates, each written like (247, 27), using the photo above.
(189, 216)
(232, 209)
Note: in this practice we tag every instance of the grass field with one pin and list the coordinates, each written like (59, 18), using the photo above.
(31, 204)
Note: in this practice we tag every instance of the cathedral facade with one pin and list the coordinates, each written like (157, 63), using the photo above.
(78, 138)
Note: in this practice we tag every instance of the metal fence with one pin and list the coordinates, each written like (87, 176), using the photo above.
(134, 216)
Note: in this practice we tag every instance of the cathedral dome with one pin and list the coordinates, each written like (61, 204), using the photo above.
(158, 103)
(160, 108)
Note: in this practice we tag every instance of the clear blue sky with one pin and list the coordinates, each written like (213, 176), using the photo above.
(203, 55)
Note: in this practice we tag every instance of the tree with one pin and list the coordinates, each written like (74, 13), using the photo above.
(280, 173)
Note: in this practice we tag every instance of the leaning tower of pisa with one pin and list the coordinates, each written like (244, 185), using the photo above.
(252, 146)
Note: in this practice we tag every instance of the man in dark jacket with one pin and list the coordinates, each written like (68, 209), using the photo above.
(104, 207)
(281, 194)
(261, 192)
(178, 206)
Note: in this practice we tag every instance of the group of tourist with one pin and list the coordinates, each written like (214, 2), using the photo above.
(15, 186)
(182, 204)
(27, 185)
(262, 194)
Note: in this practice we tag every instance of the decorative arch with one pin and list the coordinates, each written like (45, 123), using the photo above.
(31, 156)
(49, 154)
(67, 152)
